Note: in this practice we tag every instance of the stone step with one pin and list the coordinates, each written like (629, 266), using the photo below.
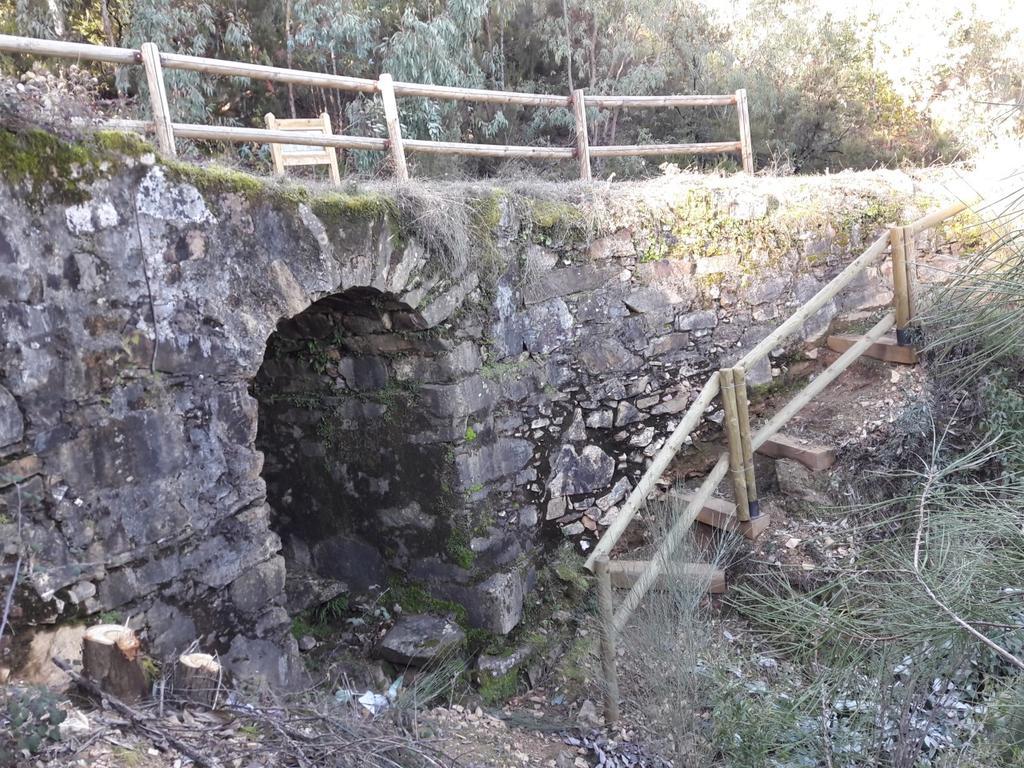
(624, 574)
(815, 457)
(885, 348)
(719, 513)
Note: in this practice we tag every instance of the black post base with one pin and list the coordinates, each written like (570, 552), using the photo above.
(904, 336)
(754, 507)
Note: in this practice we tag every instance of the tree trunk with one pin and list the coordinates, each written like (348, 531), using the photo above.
(288, 52)
(111, 658)
(199, 679)
(108, 31)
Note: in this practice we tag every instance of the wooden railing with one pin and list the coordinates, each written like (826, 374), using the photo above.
(155, 61)
(900, 242)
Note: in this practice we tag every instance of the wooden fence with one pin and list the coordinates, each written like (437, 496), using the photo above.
(166, 131)
(900, 242)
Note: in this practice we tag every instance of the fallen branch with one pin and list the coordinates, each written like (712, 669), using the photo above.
(144, 722)
(922, 520)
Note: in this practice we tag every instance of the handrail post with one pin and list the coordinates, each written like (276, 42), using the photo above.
(158, 100)
(739, 376)
(579, 111)
(608, 666)
(387, 95)
(732, 431)
(900, 283)
(743, 113)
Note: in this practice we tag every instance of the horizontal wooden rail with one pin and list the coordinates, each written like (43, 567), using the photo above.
(635, 150)
(640, 102)
(483, 95)
(260, 135)
(155, 62)
(39, 47)
(265, 72)
(486, 150)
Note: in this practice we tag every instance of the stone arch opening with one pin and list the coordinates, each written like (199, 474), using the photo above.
(359, 476)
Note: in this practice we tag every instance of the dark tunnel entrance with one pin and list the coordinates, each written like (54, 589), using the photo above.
(360, 485)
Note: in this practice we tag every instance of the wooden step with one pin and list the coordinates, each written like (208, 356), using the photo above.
(719, 513)
(624, 574)
(815, 457)
(885, 349)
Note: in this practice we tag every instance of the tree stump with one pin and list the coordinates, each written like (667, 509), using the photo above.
(111, 658)
(198, 679)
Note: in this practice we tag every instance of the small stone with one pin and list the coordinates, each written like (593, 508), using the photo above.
(626, 413)
(307, 643)
(587, 717)
(556, 508)
(599, 419)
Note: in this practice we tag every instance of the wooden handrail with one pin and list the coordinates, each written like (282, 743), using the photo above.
(155, 61)
(646, 102)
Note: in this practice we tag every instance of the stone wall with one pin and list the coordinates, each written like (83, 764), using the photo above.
(198, 366)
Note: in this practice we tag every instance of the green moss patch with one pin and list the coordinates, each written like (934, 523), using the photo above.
(45, 165)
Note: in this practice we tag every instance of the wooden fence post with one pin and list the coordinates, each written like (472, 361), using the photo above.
(608, 666)
(744, 118)
(158, 100)
(579, 110)
(900, 288)
(739, 376)
(387, 95)
(732, 431)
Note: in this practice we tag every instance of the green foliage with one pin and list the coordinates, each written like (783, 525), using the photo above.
(458, 550)
(496, 690)
(470, 434)
(42, 162)
(414, 598)
(33, 716)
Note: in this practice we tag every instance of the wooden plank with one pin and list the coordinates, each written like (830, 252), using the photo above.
(637, 150)
(744, 121)
(579, 111)
(883, 349)
(395, 146)
(276, 156)
(332, 153)
(693, 416)
(721, 514)
(815, 457)
(642, 102)
(795, 321)
(624, 574)
(158, 100)
(672, 539)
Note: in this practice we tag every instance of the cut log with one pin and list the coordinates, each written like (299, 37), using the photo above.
(199, 679)
(624, 574)
(719, 513)
(815, 457)
(112, 659)
(885, 349)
